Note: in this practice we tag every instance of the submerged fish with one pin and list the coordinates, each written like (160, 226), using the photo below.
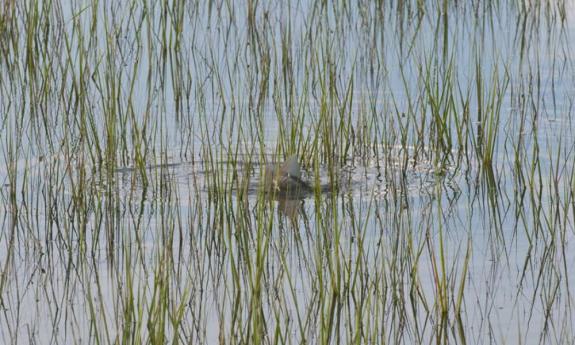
(285, 179)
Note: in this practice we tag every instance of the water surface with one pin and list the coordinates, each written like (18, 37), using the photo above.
(133, 136)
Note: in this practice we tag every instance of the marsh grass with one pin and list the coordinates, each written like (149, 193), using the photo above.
(133, 136)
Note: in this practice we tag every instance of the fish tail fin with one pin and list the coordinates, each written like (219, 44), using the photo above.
(291, 167)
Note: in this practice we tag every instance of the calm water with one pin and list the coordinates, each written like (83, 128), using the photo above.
(132, 141)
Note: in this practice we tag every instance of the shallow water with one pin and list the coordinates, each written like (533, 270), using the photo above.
(132, 144)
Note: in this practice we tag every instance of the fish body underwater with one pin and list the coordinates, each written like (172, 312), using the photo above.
(285, 179)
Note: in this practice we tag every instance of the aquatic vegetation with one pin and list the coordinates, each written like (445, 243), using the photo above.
(293, 172)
